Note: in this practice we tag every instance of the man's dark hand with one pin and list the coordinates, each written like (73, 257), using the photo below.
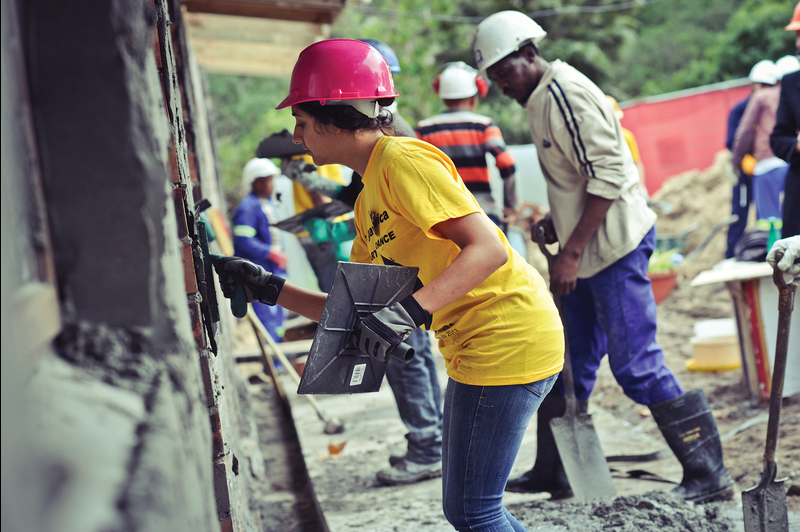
(550, 236)
(564, 273)
(259, 284)
(380, 333)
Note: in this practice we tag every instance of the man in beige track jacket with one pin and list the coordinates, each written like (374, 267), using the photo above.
(606, 234)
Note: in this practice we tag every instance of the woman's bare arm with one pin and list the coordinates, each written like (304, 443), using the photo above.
(307, 303)
(482, 253)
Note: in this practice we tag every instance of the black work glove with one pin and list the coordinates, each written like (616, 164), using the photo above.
(306, 174)
(380, 333)
(259, 284)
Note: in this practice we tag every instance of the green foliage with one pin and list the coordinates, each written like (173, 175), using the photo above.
(659, 47)
(243, 113)
(685, 43)
(664, 261)
(754, 32)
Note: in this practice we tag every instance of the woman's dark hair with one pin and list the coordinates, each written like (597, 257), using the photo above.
(349, 118)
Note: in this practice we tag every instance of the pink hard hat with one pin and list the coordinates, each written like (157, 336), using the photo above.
(339, 70)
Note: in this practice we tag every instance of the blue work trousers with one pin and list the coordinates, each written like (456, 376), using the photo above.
(768, 192)
(419, 399)
(272, 317)
(614, 312)
(483, 431)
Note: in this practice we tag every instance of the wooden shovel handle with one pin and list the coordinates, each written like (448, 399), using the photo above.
(566, 373)
(785, 306)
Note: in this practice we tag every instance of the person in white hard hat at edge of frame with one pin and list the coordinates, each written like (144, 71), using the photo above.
(752, 136)
(256, 238)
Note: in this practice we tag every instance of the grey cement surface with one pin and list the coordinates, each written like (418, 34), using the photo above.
(351, 498)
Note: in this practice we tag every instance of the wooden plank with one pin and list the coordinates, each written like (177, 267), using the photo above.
(745, 336)
(317, 11)
(248, 59)
(257, 30)
(762, 340)
(759, 351)
(739, 272)
(37, 316)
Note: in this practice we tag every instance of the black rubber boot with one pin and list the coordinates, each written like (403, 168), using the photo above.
(548, 473)
(691, 432)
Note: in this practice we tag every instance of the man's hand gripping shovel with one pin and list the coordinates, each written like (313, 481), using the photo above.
(576, 438)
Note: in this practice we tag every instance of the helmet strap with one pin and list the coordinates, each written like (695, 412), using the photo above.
(365, 107)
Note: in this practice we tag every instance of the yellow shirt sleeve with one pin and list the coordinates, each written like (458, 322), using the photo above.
(631, 141)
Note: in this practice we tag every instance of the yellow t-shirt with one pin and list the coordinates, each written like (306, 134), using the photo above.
(507, 329)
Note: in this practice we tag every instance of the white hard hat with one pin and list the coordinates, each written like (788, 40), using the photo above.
(764, 72)
(459, 80)
(786, 65)
(501, 34)
(256, 168)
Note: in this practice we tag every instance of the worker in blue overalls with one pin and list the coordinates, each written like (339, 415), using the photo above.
(256, 238)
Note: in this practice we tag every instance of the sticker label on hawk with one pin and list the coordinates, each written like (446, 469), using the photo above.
(358, 374)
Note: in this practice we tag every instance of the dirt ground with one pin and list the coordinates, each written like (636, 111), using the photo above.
(346, 487)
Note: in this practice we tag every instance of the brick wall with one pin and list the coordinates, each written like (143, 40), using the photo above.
(127, 415)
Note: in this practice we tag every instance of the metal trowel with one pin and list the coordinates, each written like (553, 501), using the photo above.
(335, 365)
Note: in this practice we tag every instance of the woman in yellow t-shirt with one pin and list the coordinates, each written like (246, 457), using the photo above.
(497, 326)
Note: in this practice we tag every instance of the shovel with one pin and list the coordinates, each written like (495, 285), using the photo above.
(764, 505)
(732, 219)
(576, 439)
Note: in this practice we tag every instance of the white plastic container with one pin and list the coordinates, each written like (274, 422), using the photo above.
(715, 328)
(715, 346)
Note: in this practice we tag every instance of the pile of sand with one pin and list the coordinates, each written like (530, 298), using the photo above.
(702, 196)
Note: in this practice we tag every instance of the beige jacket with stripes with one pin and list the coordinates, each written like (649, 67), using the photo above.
(582, 151)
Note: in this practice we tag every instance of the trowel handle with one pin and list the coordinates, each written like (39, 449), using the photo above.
(239, 300)
(539, 236)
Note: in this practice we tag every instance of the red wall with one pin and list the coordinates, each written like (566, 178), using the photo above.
(683, 130)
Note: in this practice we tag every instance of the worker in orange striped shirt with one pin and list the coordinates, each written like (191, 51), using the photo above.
(466, 137)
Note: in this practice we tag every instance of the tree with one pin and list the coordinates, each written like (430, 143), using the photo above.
(427, 34)
(682, 44)
(658, 47)
(243, 113)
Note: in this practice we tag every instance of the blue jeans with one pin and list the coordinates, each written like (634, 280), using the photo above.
(483, 431)
(419, 399)
(322, 258)
(614, 312)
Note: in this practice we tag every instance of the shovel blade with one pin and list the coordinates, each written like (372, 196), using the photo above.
(582, 456)
(764, 508)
